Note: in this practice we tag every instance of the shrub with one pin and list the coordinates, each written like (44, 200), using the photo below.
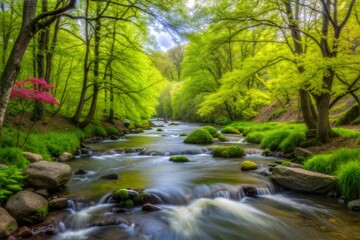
(13, 156)
(222, 121)
(230, 130)
(11, 181)
(213, 131)
(228, 152)
(99, 131)
(273, 139)
(348, 179)
(179, 159)
(291, 141)
(254, 137)
(199, 136)
(248, 165)
(111, 131)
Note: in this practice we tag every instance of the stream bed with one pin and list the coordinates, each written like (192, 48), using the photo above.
(201, 199)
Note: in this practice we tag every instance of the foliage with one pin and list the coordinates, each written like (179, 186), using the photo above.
(213, 131)
(199, 136)
(286, 164)
(319, 163)
(222, 138)
(349, 116)
(111, 131)
(347, 133)
(294, 139)
(11, 181)
(248, 165)
(222, 121)
(13, 156)
(179, 159)
(348, 179)
(230, 130)
(228, 152)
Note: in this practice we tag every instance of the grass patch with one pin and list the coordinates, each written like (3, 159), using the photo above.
(179, 159)
(294, 139)
(199, 136)
(348, 179)
(273, 139)
(255, 137)
(111, 131)
(228, 152)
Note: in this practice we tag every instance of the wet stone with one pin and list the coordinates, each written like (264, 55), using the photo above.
(150, 208)
(24, 232)
(112, 176)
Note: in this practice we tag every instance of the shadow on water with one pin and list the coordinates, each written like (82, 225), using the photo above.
(206, 198)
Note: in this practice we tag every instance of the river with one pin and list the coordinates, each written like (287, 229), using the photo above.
(202, 199)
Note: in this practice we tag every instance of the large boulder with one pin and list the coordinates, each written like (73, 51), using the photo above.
(33, 157)
(7, 224)
(27, 207)
(49, 175)
(302, 180)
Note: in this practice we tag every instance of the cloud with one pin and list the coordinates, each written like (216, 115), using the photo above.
(164, 40)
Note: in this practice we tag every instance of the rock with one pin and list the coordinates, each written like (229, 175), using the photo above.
(27, 207)
(150, 208)
(24, 232)
(302, 152)
(354, 205)
(2, 165)
(65, 157)
(43, 192)
(49, 175)
(58, 203)
(263, 172)
(112, 176)
(249, 190)
(80, 172)
(248, 165)
(7, 224)
(33, 157)
(302, 180)
(132, 193)
(296, 165)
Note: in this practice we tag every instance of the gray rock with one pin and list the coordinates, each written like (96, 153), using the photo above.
(354, 205)
(27, 207)
(49, 175)
(302, 180)
(43, 192)
(7, 224)
(58, 203)
(65, 157)
(33, 157)
(302, 152)
(150, 208)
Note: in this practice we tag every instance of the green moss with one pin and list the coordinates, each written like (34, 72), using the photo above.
(179, 159)
(228, 152)
(222, 138)
(142, 198)
(159, 130)
(348, 179)
(213, 131)
(349, 116)
(40, 214)
(120, 194)
(254, 137)
(266, 152)
(199, 136)
(99, 131)
(129, 203)
(248, 165)
(10, 227)
(230, 130)
(286, 164)
(183, 135)
(139, 130)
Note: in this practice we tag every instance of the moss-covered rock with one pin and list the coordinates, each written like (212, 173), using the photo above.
(129, 203)
(228, 152)
(213, 131)
(230, 130)
(199, 136)
(349, 116)
(248, 165)
(179, 159)
(120, 194)
(142, 198)
(222, 138)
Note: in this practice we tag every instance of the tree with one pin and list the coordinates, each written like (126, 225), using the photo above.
(31, 24)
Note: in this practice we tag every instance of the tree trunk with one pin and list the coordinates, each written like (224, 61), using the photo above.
(305, 106)
(12, 66)
(92, 110)
(323, 126)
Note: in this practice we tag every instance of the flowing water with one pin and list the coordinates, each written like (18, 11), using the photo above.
(201, 199)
